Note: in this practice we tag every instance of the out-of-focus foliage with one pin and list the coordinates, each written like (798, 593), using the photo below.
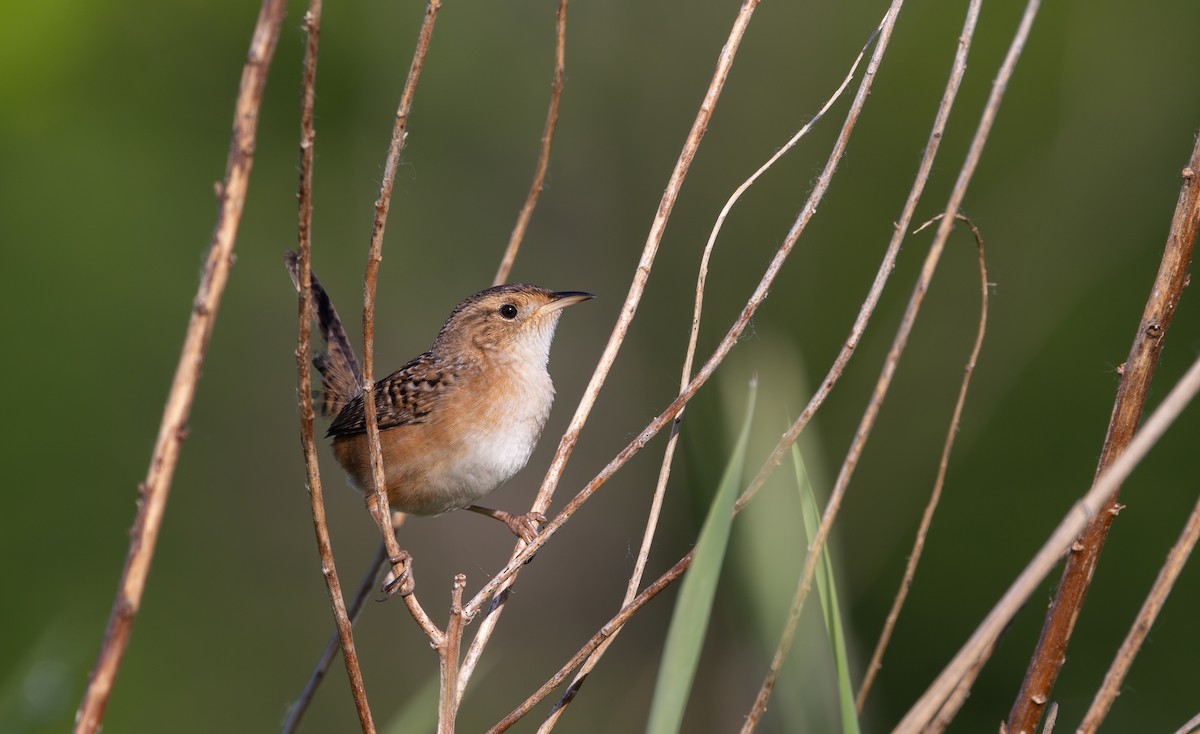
(114, 121)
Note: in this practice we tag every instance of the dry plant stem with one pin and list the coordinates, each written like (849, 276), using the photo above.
(153, 492)
(1167, 577)
(886, 265)
(693, 337)
(632, 299)
(448, 694)
(817, 543)
(914, 558)
(635, 579)
(1051, 718)
(1191, 727)
(1136, 374)
(378, 503)
(539, 174)
(605, 632)
(300, 706)
(867, 422)
(1059, 543)
(960, 693)
(759, 707)
(342, 619)
(727, 342)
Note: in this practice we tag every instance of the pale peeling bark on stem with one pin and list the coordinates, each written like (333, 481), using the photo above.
(448, 655)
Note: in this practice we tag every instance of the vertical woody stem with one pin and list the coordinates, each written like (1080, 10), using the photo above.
(1136, 373)
(152, 493)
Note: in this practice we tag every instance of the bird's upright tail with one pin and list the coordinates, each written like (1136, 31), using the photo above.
(341, 377)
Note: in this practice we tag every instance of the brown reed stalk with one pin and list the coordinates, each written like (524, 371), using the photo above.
(1136, 373)
(153, 491)
(341, 617)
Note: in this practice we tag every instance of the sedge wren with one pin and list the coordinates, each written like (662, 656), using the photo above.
(457, 421)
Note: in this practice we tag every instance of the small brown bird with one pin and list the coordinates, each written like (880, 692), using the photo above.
(457, 421)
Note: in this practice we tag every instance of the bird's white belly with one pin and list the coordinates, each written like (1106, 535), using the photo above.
(498, 445)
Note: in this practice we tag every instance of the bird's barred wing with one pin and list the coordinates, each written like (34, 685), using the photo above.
(406, 396)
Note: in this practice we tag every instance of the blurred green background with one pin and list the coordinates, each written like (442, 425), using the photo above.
(114, 127)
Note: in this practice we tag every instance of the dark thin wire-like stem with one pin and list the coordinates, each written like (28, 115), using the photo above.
(341, 617)
(153, 492)
(543, 162)
(321, 667)
(1136, 375)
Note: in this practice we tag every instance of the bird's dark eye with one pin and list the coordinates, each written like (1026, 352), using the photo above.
(508, 311)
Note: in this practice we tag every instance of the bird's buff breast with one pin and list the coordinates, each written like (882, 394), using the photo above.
(451, 461)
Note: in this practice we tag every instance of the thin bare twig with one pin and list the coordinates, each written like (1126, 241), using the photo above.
(1167, 576)
(1191, 727)
(648, 535)
(341, 618)
(954, 675)
(900, 341)
(727, 342)
(543, 162)
(886, 266)
(378, 502)
(759, 295)
(1136, 374)
(816, 544)
(633, 298)
(914, 558)
(448, 655)
(961, 692)
(597, 639)
(153, 492)
(300, 706)
(1051, 718)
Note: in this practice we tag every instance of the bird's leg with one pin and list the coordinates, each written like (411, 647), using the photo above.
(524, 526)
(401, 583)
(399, 579)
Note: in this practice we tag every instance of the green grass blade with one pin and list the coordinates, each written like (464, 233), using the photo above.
(689, 621)
(829, 604)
